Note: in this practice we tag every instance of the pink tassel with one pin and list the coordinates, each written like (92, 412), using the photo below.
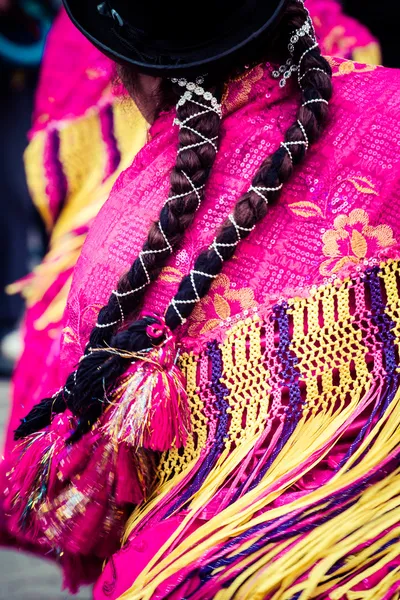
(76, 518)
(78, 497)
(131, 484)
(74, 458)
(32, 477)
(152, 409)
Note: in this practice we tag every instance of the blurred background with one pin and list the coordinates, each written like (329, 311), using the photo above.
(50, 191)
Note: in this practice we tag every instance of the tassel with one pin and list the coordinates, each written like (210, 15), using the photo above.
(77, 497)
(33, 476)
(150, 406)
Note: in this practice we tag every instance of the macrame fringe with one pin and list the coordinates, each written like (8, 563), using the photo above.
(258, 548)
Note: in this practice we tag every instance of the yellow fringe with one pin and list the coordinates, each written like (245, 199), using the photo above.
(328, 543)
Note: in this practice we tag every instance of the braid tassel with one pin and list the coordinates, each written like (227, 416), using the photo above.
(76, 497)
(152, 411)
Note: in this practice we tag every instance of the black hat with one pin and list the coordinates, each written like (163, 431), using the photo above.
(169, 37)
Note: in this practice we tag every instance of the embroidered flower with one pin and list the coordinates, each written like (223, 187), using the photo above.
(238, 91)
(345, 67)
(353, 240)
(221, 303)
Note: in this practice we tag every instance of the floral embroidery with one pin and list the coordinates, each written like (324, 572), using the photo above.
(353, 240)
(220, 304)
(235, 96)
(345, 67)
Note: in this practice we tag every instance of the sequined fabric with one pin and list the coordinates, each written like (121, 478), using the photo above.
(336, 214)
(287, 459)
(337, 219)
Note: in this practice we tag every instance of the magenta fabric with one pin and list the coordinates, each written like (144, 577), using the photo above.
(74, 75)
(349, 182)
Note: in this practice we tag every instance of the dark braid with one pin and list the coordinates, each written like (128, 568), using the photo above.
(251, 208)
(85, 389)
(175, 217)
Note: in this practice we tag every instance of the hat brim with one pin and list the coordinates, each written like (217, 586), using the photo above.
(98, 30)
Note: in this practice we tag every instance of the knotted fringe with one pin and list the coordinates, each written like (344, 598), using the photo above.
(307, 503)
(285, 552)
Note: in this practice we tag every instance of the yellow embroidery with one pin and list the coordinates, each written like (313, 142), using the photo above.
(235, 99)
(69, 336)
(350, 240)
(217, 306)
(171, 275)
(363, 185)
(306, 209)
(345, 67)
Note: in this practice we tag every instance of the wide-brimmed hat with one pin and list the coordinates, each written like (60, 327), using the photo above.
(170, 37)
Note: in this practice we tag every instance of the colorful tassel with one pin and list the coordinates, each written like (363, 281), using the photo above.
(32, 477)
(77, 497)
(151, 408)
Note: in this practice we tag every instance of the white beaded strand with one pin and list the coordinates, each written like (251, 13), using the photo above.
(192, 88)
(286, 70)
(300, 124)
(318, 69)
(260, 191)
(215, 245)
(315, 101)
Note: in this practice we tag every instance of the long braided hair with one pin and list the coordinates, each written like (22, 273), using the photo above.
(118, 326)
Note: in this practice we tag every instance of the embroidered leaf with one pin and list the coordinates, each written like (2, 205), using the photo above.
(358, 244)
(334, 266)
(222, 307)
(306, 209)
(368, 188)
(170, 274)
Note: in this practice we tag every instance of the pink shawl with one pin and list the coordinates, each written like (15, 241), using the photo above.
(349, 181)
(338, 216)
